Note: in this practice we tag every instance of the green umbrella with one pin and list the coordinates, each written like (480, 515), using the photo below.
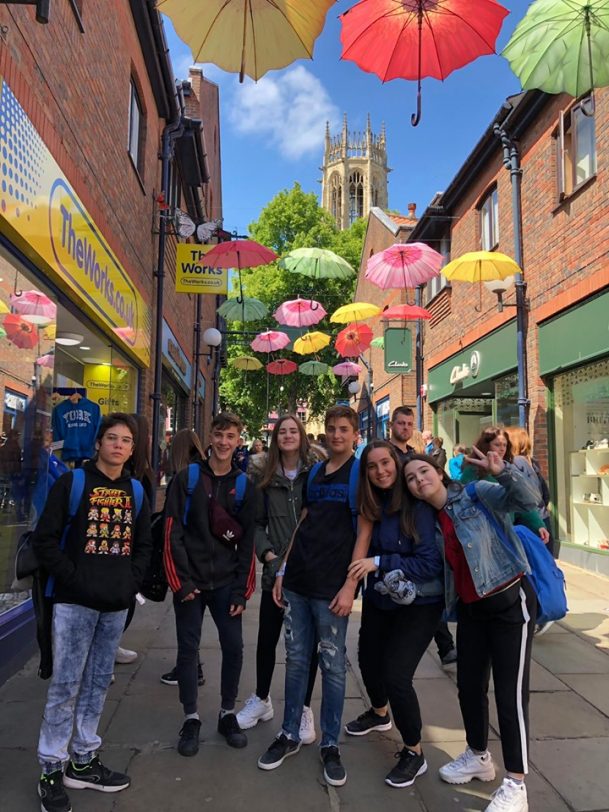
(246, 309)
(562, 46)
(313, 368)
(379, 342)
(318, 263)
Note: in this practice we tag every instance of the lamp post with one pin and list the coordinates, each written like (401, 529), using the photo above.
(213, 338)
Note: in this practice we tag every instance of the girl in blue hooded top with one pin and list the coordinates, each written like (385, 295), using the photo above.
(397, 623)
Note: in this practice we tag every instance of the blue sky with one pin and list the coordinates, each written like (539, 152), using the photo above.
(272, 132)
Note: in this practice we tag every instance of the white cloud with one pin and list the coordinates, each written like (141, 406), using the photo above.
(289, 110)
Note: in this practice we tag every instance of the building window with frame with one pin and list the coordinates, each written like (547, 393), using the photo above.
(439, 282)
(135, 143)
(489, 221)
(356, 197)
(336, 198)
(575, 147)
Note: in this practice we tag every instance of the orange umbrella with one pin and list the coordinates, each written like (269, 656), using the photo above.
(353, 340)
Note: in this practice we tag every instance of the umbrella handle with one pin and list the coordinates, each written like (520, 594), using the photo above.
(590, 109)
(416, 117)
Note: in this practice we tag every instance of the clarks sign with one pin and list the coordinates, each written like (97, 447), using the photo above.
(462, 371)
(398, 350)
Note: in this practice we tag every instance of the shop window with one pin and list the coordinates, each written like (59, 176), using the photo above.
(575, 148)
(489, 221)
(382, 419)
(136, 129)
(356, 197)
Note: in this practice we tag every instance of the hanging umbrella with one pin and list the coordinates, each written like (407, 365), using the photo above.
(245, 37)
(311, 342)
(22, 333)
(378, 342)
(411, 39)
(299, 312)
(403, 266)
(356, 311)
(480, 266)
(282, 366)
(313, 368)
(49, 333)
(353, 340)
(4, 308)
(317, 263)
(562, 46)
(346, 368)
(239, 254)
(405, 312)
(34, 306)
(246, 363)
(248, 309)
(269, 341)
(47, 360)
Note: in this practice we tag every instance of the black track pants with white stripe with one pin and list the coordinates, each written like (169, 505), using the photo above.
(497, 632)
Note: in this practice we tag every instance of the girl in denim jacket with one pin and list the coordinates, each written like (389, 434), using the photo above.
(496, 610)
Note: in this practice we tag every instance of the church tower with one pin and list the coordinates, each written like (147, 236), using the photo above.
(354, 173)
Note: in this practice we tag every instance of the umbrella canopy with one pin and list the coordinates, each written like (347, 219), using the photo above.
(270, 341)
(346, 368)
(22, 333)
(245, 309)
(480, 266)
(239, 254)
(562, 46)
(411, 39)
(378, 342)
(47, 360)
(245, 362)
(282, 366)
(403, 266)
(353, 340)
(299, 312)
(248, 36)
(34, 306)
(4, 308)
(311, 342)
(405, 312)
(356, 311)
(313, 368)
(317, 263)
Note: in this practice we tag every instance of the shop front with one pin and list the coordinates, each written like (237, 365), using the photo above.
(574, 362)
(475, 388)
(176, 389)
(74, 333)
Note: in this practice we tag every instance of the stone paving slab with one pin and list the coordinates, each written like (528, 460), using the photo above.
(577, 768)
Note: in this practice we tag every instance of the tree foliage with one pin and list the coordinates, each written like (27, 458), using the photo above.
(292, 219)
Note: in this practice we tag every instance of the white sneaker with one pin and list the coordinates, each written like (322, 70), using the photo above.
(539, 630)
(467, 766)
(255, 710)
(510, 797)
(307, 726)
(124, 656)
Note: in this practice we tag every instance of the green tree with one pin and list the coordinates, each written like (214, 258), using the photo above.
(292, 219)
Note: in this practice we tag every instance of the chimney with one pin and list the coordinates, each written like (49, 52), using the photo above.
(412, 208)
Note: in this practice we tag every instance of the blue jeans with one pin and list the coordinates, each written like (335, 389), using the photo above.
(307, 620)
(84, 647)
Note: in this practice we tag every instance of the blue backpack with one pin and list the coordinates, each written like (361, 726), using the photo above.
(546, 578)
(353, 483)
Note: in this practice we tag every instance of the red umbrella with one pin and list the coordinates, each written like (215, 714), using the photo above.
(353, 340)
(406, 312)
(282, 366)
(239, 254)
(22, 333)
(410, 39)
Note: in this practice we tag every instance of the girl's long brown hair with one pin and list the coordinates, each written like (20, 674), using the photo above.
(483, 443)
(184, 449)
(140, 459)
(407, 520)
(367, 495)
(520, 441)
(273, 458)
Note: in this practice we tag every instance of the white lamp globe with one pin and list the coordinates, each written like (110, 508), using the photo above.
(354, 388)
(212, 337)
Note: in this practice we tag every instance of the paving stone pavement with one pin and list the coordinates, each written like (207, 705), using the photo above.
(569, 727)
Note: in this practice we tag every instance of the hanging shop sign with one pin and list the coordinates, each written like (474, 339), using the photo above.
(175, 358)
(398, 350)
(194, 276)
(41, 213)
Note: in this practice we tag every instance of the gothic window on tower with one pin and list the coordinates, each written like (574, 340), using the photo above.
(356, 197)
(336, 198)
(374, 196)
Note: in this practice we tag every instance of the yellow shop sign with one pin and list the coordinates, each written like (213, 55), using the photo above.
(193, 275)
(41, 212)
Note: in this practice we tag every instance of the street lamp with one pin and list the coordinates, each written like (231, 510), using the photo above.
(354, 388)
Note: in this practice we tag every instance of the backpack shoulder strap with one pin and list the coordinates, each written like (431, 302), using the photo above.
(353, 483)
(240, 489)
(312, 474)
(193, 478)
(471, 491)
(77, 489)
(138, 495)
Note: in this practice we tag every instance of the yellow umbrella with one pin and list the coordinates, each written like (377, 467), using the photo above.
(245, 362)
(248, 36)
(4, 308)
(311, 342)
(480, 266)
(357, 311)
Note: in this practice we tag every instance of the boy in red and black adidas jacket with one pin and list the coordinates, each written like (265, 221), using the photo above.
(209, 563)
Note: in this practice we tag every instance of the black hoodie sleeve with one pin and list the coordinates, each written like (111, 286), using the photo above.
(175, 557)
(245, 580)
(142, 547)
(49, 530)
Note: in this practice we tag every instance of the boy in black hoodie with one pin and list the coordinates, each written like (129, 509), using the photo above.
(96, 576)
(205, 570)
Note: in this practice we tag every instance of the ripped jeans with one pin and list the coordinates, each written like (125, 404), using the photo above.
(308, 619)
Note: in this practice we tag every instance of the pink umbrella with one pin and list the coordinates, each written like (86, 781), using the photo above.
(47, 360)
(269, 341)
(299, 312)
(282, 366)
(406, 312)
(34, 306)
(347, 368)
(403, 266)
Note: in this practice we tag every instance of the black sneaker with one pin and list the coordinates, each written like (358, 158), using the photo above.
(281, 748)
(228, 726)
(53, 797)
(171, 677)
(188, 745)
(334, 772)
(409, 766)
(94, 776)
(450, 657)
(367, 722)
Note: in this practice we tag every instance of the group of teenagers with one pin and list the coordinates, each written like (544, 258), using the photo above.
(421, 548)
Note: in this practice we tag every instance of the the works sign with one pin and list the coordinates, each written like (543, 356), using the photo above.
(193, 275)
(398, 350)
